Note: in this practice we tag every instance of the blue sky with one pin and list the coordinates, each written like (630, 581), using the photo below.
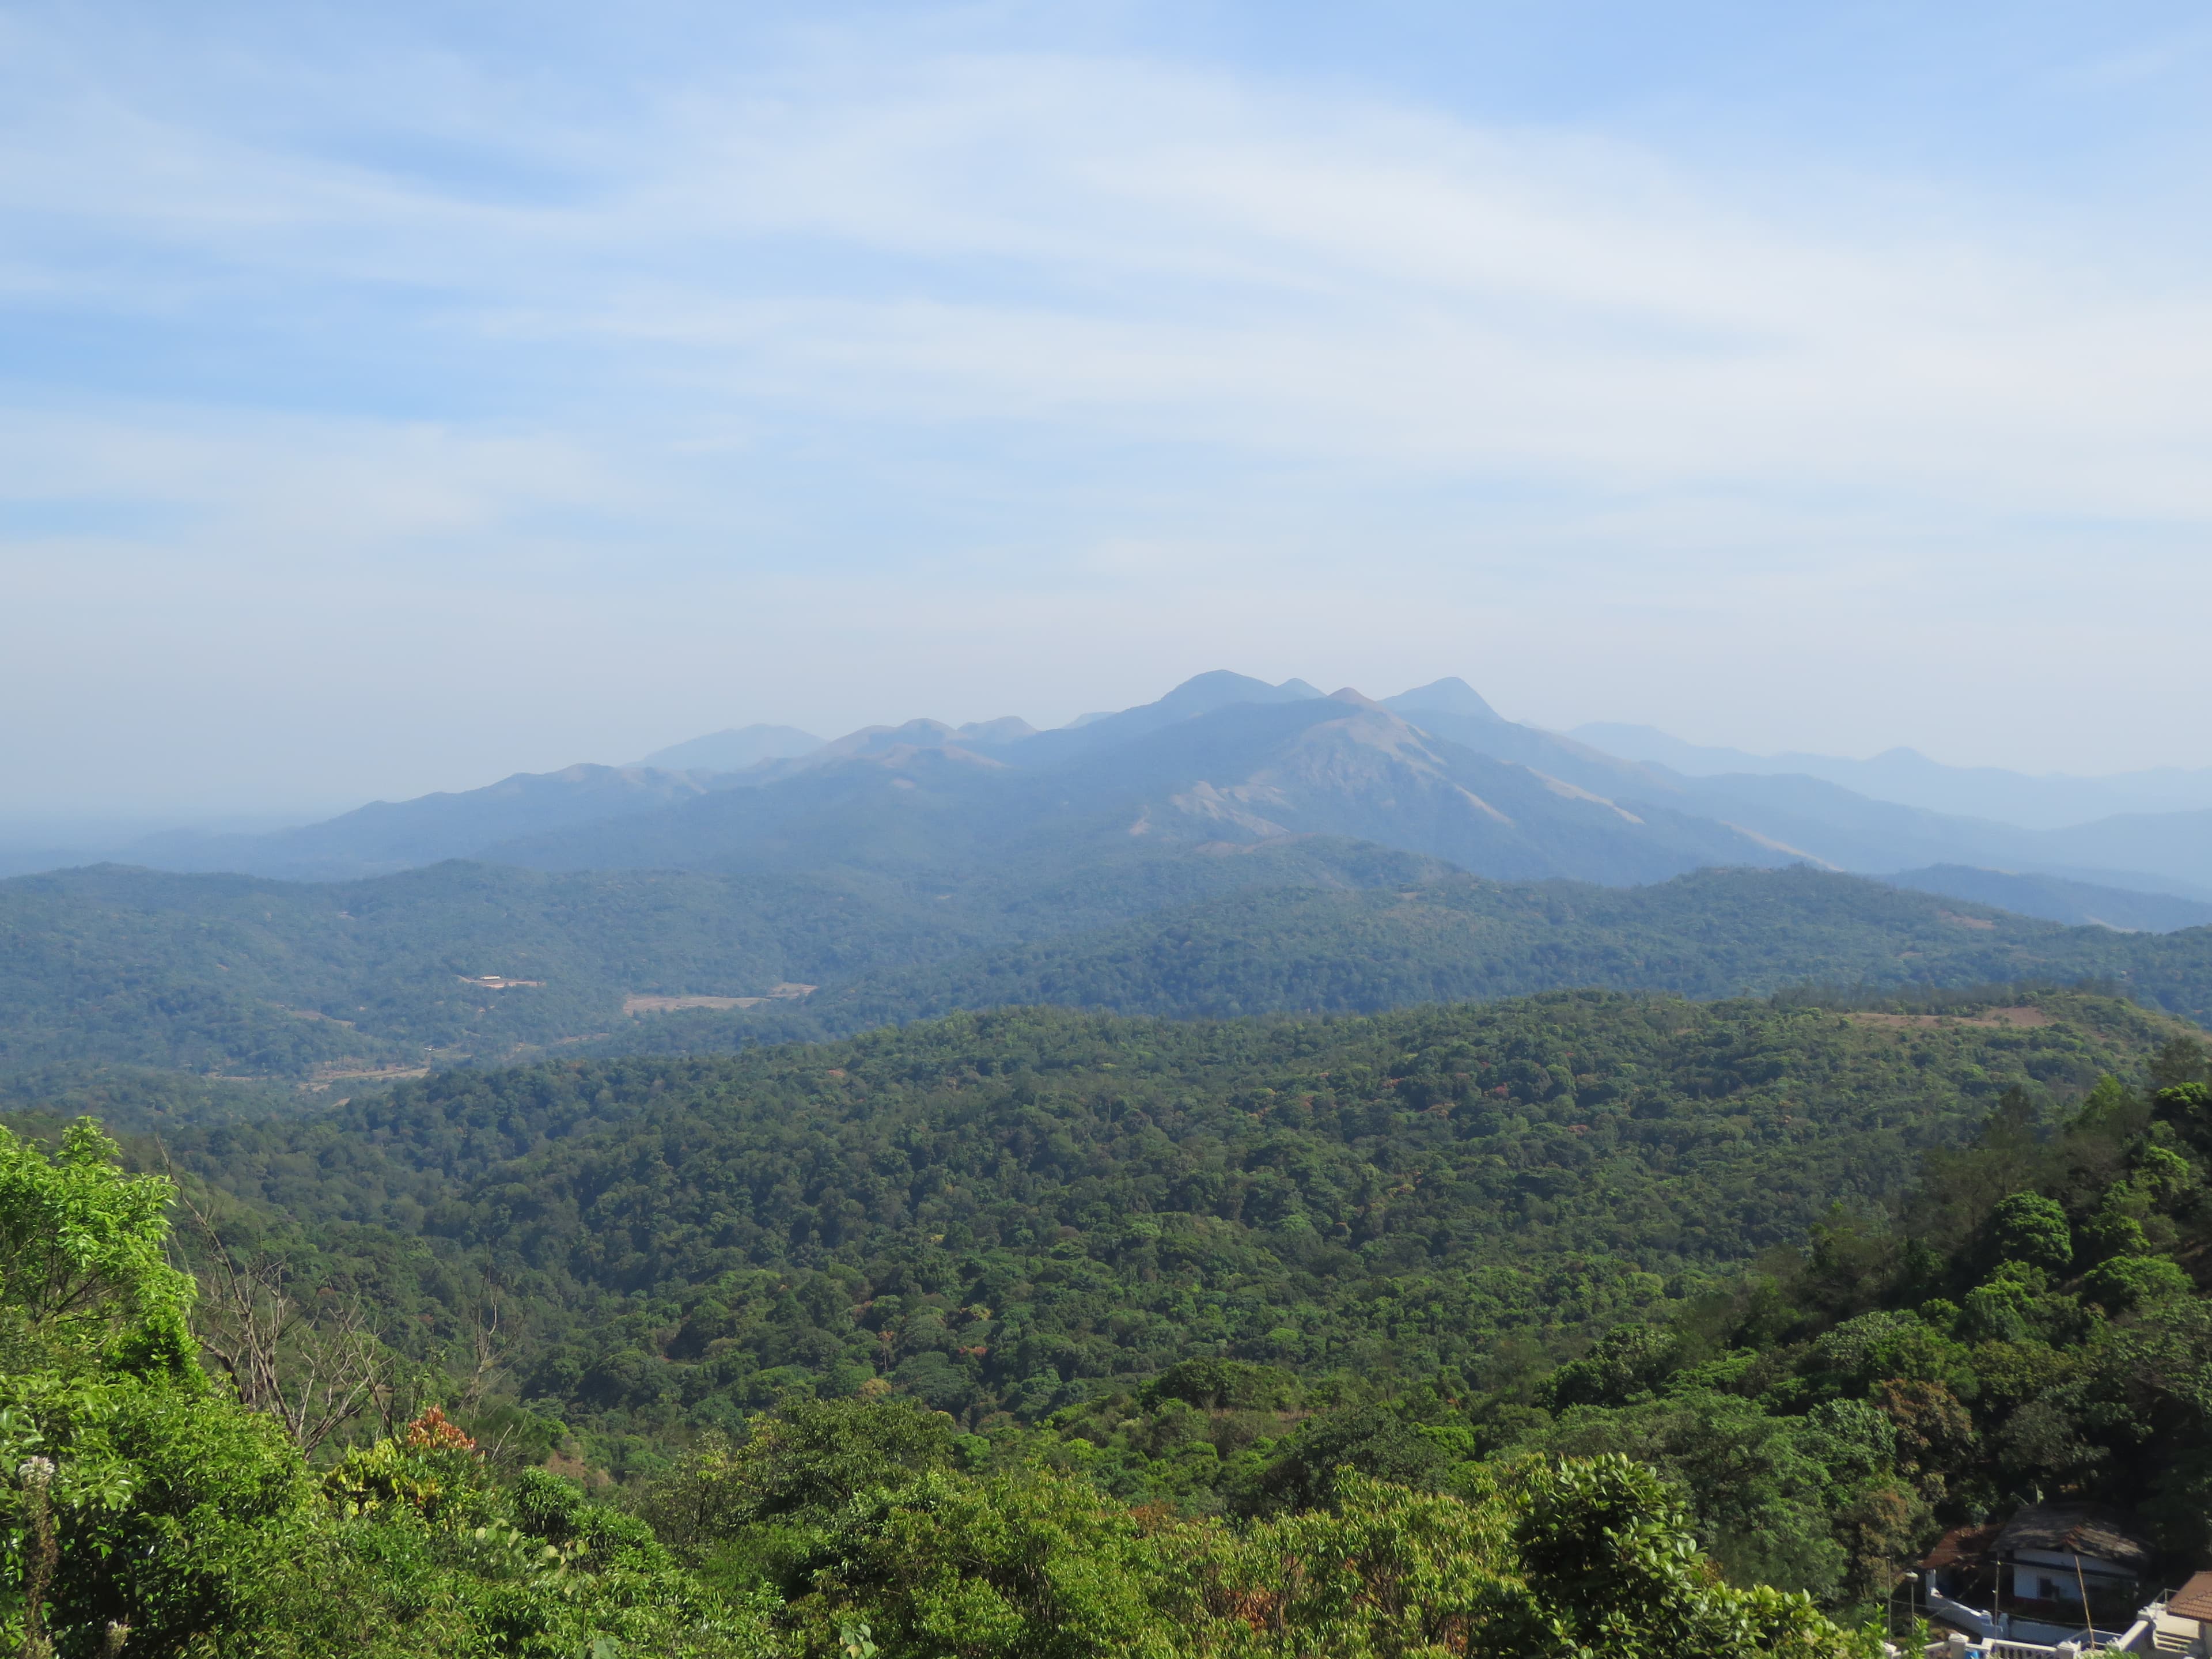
(393, 397)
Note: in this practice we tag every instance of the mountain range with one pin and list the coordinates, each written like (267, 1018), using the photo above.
(1223, 757)
(1233, 848)
(734, 750)
(1910, 779)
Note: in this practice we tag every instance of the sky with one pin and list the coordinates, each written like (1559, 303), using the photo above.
(395, 397)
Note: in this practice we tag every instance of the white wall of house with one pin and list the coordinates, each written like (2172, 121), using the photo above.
(2046, 1576)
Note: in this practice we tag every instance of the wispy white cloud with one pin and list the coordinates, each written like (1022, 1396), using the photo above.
(1095, 242)
(1070, 344)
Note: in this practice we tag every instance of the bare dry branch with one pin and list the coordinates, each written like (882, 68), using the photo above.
(313, 1372)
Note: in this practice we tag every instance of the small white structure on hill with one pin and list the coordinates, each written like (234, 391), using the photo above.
(2052, 1573)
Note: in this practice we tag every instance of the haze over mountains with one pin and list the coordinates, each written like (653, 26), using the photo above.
(1910, 779)
(1231, 847)
(1223, 757)
(340, 985)
(734, 750)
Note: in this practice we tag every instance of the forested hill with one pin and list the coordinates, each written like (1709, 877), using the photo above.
(1012, 1212)
(1716, 933)
(239, 975)
(234, 976)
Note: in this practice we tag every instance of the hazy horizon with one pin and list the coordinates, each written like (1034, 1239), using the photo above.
(398, 400)
(23, 824)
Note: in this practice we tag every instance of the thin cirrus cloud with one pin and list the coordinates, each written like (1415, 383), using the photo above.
(1416, 296)
(1147, 363)
(1095, 237)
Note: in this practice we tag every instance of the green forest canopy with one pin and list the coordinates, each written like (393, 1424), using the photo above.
(150, 1511)
(1296, 1289)
(231, 977)
(1009, 1212)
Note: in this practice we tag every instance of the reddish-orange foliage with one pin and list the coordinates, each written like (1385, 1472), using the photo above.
(434, 1431)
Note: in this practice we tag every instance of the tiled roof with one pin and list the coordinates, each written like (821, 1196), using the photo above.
(2085, 1529)
(2194, 1599)
(1961, 1544)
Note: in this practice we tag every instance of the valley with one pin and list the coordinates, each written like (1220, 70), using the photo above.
(1192, 1109)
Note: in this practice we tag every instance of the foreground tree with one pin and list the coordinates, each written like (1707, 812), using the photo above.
(155, 1513)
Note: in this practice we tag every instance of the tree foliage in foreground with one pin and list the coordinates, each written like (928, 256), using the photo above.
(150, 1512)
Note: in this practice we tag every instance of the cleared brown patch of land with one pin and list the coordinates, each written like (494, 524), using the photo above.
(1988, 1017)
(1957, 920)
(323, 1078)
(637, 1005)
(789, 991)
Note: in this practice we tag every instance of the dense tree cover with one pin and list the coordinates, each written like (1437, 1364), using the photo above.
(1715, 934)
(145, 1509)
(2023, 1318)
(229, 973)
(220, 973)
(233, 977)
(2031, 1324)
(1042, 1332)
(1007, 1214)
(134, 1098)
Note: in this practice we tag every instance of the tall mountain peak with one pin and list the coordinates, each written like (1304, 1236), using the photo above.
(1219, 688)
(1448, 696)
(735, 749)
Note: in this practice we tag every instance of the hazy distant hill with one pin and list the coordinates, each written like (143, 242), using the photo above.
(2171, 843)
(1201, 694)
(1448, 696)
(1828, 823)
(389, 835)
(1823, 819)
(1223, 757)
(1242, 771)
(1847, 830)
(734, 750)
(1453, 710)
(2078, 902)
(1910, 779)
(28, 845)
(2168, 853)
